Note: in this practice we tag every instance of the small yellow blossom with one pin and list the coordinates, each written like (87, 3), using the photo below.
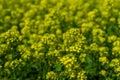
(51, 75)
(82, 57)
(81, 75)
(114, 62)
(103, 60)
(115, 50)
(72, 75)
(112, 38)
(112, 19)
(103, 72)
(117, 70)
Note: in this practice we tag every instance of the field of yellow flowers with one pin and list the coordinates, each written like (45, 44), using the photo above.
(59, 40)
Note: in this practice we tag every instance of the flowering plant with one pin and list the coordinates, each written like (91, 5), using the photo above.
(59, 40)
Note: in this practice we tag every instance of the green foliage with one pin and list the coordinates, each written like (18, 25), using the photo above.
(59, 40)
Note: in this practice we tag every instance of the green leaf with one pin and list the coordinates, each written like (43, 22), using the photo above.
(58, 67)
(89, 60)
(90, 69)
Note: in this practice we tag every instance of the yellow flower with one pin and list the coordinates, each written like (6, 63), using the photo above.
(82, 57)
(112, 19)
(58, 31)
(92, 15)
(72, 75)
(118, 20)
(7, 18)
(81, 75)
(115, 50)
(7, 64)
(96, 32)
(103, 51)
(105, 14)
(51, 75)
(103, 60)
(102, 39)
(94, 46)
(114, 62)
(103, 22)
(112, 38)
(103, 72)
(117, 70)
(116, 43)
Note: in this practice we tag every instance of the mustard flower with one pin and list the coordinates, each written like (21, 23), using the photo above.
(82, 57)
(103, 72)
(81, 75)
(114, 62)
(51, 75)
(112, 38)
(103, 60)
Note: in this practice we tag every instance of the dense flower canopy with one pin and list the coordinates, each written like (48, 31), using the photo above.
(59, 40)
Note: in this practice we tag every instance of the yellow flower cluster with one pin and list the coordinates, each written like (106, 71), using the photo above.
(82, 57)
(103, 72)
(67, 61)
(81, 75)
(59, 39)
(115, 64)
(103, 60)
(116, 47)
(51, 75)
